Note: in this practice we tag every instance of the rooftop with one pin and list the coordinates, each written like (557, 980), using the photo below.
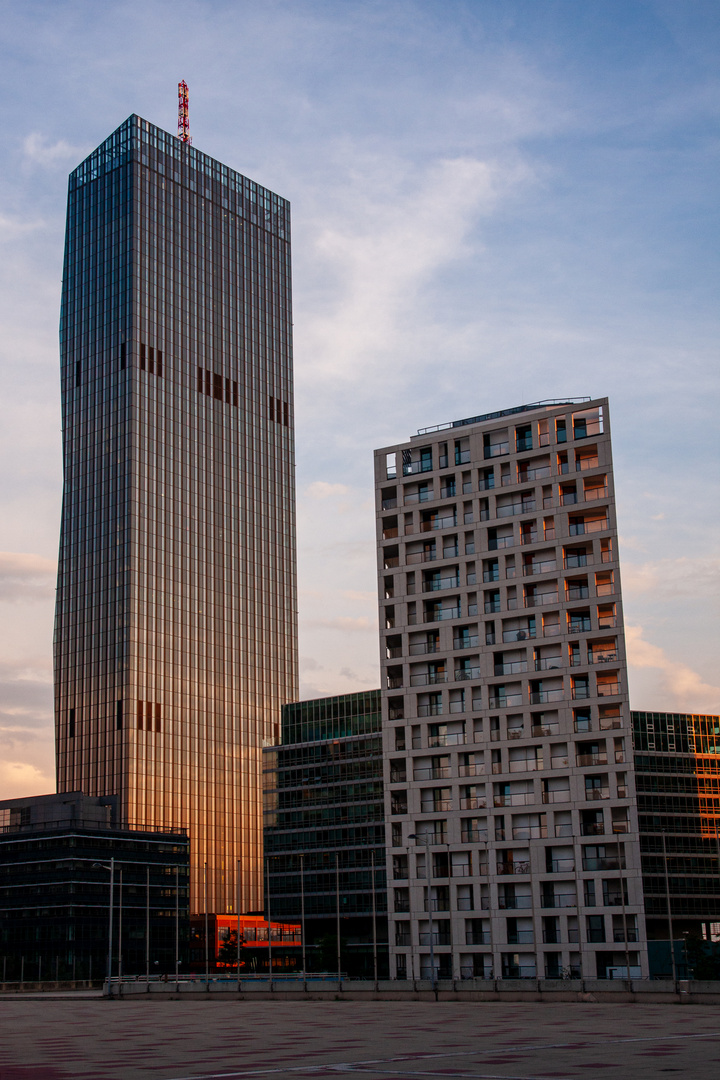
(546, 403)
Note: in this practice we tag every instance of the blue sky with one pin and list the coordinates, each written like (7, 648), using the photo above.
(494, 202)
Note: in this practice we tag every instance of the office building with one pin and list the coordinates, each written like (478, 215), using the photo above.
(175, 640)
(325, 833)
(677, 778)
(513, 844)
(285, 944)
(55, 859)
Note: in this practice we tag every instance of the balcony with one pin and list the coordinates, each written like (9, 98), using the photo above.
(524, 475)
(560, 866)
(574, 562)
(436, 806)
(390, 561)
(512, 903)
(584, 463)
(440, 614)
(542, 566)
(438, 938)
(539, 730)
(529, 832)
(518, 635)
(556, 795)
(592, 828)
(441, 583)
(602, 657)
(632, 935)
(513, 868)
(418, 496)
(494, 450)
(526, 765)
(595, 794)
(474, 836)
(608, 689)
(609, 723)
(441, 773)
(548, 663)
(540, 697)
(414, 467)
(580, 690)
(510, 509)
(591, 759)
(467, 673)
(541, 599)
(430, 678)
(501, 542)
(474, 937)
(438, 523)
(434, 709)
(470, 770)
(420, 647)
(505, 701)
(519, 798)
(452, 738)
(595, 493)
(511, 668)
(581, 528)
(420, 556)
(577, 592)
(389, 504)
(470, 642)
(521, 937)
(559, 900)
(474, 803)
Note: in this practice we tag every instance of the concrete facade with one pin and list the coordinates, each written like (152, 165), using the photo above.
(510, 803)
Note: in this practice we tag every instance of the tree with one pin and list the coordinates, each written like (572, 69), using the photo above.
(228, 951)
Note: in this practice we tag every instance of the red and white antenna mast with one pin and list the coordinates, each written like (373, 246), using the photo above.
(183, 116)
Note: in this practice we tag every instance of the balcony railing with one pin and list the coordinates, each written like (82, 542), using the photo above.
(539, 730)
(513, 868)
(430, 710)
(430, 678)
(595, 794)
(574, 562)
(541, 567)
(467, 673)
(533, 474)
(602, 657)
(577, 592)
(560, 866)
(580, 528)
(432, 774)
(473, 836)
(521, 937)
(452, 738)
(511, 668)
(475, 803)
(501, 542)
(497, 450)
(529, 832)
(413, 467)
(611, 862)
(470, 770)
(608, 689)
(595, 493)
(556, 795)
(586, 463)
(470, 642)
(420, 556)
(540, 599)
(420, 647)
(441, 583)
(518, 635)
(510, 509)
(440, 614)
(548, 663)
(518, 798)
(438, 523)
(539, 697)
(505, 701)
(559, 900)
(513, 903)
(434, 806)
(526, 765)
(592, 759)
(474, 937)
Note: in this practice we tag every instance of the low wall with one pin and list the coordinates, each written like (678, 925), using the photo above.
(586, 990)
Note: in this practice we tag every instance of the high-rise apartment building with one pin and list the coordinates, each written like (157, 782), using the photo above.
(512, 826)
(175, 643)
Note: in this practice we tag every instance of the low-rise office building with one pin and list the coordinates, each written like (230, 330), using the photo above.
(56, 855)
(325, 832)
(677, 778)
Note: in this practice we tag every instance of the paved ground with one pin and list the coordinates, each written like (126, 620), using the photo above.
(91, 1039)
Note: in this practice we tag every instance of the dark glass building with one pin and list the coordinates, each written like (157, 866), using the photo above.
(324, 829)
(55, 853)
(175, 641)
(677, 778)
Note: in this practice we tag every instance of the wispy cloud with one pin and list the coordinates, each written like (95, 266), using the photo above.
(26, 577)
(38, 150)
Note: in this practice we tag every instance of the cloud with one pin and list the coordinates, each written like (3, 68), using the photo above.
(38, 151)
(11, 228)
(26, 577)
(19, 779)
(307, 663)
(683, 578)
(677, 688)
(320, 489)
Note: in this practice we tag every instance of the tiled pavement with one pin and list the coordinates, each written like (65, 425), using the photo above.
(93, 1039)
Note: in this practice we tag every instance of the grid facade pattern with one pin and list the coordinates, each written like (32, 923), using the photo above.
(324, 796)
(175, 642)
(677, 776)
(507, 735)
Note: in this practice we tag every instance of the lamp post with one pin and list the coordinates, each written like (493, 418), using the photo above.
(302, 918)
(669, 913)
(426, 843)
(111, 868)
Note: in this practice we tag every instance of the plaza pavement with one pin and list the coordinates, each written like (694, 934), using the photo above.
(86, 1038)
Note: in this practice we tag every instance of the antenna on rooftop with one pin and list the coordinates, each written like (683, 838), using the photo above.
(183, 115)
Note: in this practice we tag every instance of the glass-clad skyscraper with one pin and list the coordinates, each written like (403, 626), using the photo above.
(175, 641)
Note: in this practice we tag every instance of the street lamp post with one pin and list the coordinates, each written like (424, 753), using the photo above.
(426, 843)
(111, 868)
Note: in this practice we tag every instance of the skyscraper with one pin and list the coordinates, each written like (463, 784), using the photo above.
(513, 833)
(175, 641)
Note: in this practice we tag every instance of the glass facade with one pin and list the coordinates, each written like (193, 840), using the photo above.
(176, 636)
(324, 825)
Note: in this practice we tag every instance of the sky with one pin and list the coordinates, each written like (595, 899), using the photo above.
(494, 202)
